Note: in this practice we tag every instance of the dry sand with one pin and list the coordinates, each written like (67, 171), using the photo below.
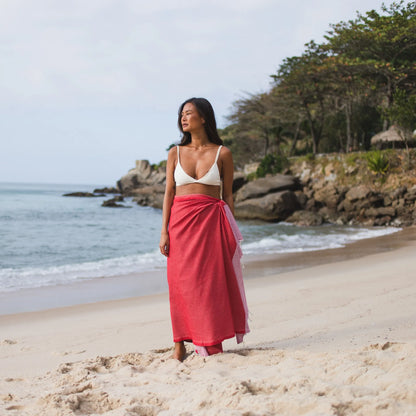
(330, 339)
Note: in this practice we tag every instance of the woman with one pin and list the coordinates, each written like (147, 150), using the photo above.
(200, 237)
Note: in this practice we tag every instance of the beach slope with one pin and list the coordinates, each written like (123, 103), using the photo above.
(332, 339)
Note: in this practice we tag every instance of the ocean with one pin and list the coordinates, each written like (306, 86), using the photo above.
(50, 240)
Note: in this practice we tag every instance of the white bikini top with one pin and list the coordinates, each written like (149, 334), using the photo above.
(212, 177)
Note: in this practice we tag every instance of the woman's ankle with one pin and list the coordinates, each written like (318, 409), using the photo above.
(179, 351)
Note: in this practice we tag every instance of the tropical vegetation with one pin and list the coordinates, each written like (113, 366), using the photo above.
(336, 95)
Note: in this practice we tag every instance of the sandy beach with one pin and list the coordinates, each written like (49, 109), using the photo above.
(335, 337)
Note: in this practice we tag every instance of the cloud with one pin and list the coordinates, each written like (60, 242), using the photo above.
(113, 51)
(108, 52)
(105, 77)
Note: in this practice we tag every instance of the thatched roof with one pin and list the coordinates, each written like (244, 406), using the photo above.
(393, 134)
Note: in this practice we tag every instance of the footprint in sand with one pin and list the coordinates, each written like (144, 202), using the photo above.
(15, 407)
(8, 342)
(10, 379)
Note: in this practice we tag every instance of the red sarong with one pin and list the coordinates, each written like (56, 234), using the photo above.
(207, 299)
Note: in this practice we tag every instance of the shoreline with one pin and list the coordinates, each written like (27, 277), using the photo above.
(334, 335)
(270, 264)
(155, 282)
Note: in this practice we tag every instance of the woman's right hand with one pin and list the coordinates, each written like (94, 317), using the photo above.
(164, 244)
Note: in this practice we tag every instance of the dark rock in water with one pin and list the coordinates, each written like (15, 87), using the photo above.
(84, 194)
(272, 207)
(305, 218)
(264, 186)
(106, 190)
(112, 203)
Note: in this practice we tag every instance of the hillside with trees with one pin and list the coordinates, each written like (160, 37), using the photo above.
(336, 95)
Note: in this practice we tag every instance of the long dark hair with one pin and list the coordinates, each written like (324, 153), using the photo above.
(205, 110)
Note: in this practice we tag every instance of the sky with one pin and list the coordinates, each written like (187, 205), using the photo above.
(89, 86)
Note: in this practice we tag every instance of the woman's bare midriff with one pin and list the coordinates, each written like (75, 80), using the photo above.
(199, 188)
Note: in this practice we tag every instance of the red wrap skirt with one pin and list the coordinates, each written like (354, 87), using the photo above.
(206, 291)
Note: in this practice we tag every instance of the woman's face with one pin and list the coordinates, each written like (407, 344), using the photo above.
(191, 121)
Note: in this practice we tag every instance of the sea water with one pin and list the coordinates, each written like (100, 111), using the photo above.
(47, 239)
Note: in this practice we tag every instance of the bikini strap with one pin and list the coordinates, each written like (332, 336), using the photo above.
(177, 151)
(218, 153)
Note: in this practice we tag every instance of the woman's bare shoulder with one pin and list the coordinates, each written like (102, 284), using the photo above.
(225, 152)
(173, 151)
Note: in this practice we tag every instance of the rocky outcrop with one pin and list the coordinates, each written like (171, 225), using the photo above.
(106, 190)
(113, 203)
(265, 186)
(369, 200)
(269, 199)
(239, 181)
(359, 205)
(328, 195)
(151, 196)
(305, 218)
(276, 206)
(145, 184)
(140, 176)
(83, 194)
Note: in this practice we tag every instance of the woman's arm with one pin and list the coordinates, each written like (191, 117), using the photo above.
(227, 177)
(167, 201)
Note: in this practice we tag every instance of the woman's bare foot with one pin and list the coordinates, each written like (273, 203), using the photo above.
(180, 351)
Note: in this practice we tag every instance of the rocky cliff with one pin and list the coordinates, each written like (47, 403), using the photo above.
(345, 189)
(144, 183)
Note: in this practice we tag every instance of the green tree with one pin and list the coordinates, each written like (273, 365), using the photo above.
(403, 113)
(337, 94)
(305, 80)
(349, 92)
(382, 46)
(256, 118)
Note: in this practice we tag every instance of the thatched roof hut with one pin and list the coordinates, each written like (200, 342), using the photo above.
(393, 137)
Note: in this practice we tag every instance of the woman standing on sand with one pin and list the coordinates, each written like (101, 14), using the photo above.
(200, 237)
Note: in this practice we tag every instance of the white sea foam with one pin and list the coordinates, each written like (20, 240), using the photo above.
(311, 240)
(31, 277)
